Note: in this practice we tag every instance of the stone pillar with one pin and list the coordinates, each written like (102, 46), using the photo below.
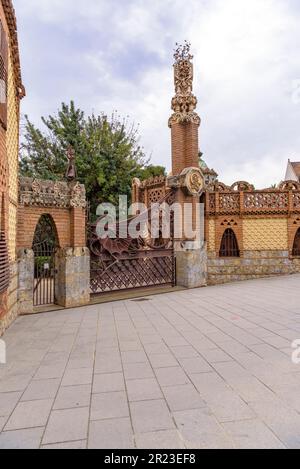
(191, 266)
(72, 280)
(26, 280)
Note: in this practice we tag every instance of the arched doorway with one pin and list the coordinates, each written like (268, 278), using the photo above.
(296, 246)
(229, 245)
(44, 247)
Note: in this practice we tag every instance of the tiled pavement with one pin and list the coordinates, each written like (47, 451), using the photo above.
(207, 368)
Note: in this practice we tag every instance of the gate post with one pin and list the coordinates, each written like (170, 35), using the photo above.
(191, 253)
(26, 280)
(72, 279)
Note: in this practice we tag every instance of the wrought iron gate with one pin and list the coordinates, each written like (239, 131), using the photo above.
(122, 264)
(44, 248)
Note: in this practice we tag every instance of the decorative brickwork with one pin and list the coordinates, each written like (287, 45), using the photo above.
(222, 224)
(211, 237)
(261, 234)
(9, 148)
(184, 122)
(265, 224)
(40, 193)
(293, 227)
(149, 192)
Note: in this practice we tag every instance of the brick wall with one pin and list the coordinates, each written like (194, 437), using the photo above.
(12, 147)
(9, 149)
(70, 225)
(265, 243)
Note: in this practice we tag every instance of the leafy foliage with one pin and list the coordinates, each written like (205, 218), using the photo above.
(108, 154)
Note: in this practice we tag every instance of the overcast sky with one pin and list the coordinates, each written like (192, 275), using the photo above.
(117, 55)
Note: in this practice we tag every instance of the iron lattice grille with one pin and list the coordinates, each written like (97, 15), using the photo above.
(122, 264)
(229, 245)
(44, 248)
(296, 247)
(44, 275)
(145, 269)
(4, 264)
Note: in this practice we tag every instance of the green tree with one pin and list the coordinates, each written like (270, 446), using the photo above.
(151, 171)
(108, 153)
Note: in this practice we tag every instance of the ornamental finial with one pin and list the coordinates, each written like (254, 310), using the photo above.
(71, 172)
(184, 102)
(182, 52)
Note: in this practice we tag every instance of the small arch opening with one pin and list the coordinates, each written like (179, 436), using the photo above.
(229, 245)
(45, 243)
(296, 246)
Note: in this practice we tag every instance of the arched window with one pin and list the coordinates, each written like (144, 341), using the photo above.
(229, 245)
(296, 247)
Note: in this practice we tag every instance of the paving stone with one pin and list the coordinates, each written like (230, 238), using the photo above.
(159, 348)
(78, 363)
(143, 390)
(73, 396)
(41, 390)
(163, 439)
(200, 430)
(8, 402)
(21, 439)
(3, 421)
(226, 404)
(164, 360)
(195, 365)
(78, 377)
(175, 341)
(130, 345)
(150, 339)
(77, 445)
(137, 371)
(183, 397)
(282, 420)
(216, 356)
(29, 415)
(252, 434)
(150, 416)
(171, 376)
(109, 405)
(111, 434)
(14, 383)
(232, 343)
(67, 425)
(108, 365)
(185, 351)
(109, 382)
(50, 372)
(136, 356)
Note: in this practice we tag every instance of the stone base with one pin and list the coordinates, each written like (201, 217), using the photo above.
(191, 268)
(26, 280)
(11, 300)
(72, 281)
(252, 265)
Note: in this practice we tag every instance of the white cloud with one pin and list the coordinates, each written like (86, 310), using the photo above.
(246, 60)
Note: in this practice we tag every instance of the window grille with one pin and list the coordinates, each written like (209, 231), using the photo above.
(229, 245)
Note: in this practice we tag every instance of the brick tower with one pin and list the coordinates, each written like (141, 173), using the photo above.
(184, 122)
(187, 176)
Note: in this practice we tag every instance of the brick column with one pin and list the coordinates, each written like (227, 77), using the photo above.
(184, 124)
(78, 227)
